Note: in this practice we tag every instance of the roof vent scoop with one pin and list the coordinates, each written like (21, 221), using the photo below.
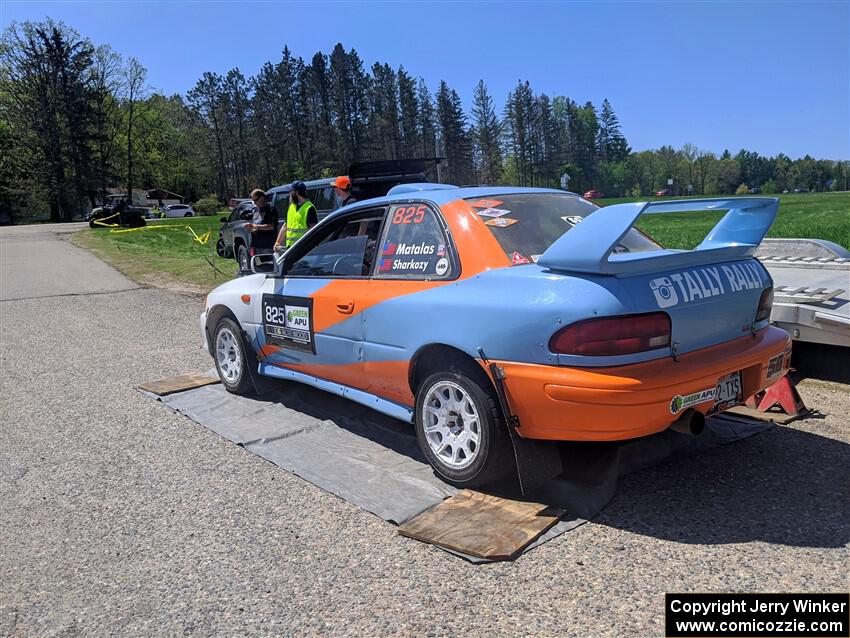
(418, 186)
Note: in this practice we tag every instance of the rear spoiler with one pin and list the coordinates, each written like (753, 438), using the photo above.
(589, 246)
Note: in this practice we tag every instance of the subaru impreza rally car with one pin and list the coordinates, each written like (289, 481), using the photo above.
(483, 315)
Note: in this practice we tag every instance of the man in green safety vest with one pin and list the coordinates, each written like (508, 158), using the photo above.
(300, 217)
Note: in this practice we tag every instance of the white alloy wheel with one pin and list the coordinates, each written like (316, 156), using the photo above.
(228, 355)
(452, 424)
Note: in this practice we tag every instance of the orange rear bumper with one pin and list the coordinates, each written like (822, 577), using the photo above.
(624, 402)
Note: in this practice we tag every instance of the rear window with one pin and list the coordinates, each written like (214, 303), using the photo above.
(526, 224)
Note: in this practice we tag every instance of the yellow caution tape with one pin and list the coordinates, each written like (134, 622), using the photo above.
(201, 239)
(116, 228)
(100, 221)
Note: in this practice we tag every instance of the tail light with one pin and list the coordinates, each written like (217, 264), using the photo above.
(610, 336)
(765, 305)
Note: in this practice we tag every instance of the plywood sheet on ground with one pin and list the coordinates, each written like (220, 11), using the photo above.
(482, 525)
(169, 385)
(772, 417)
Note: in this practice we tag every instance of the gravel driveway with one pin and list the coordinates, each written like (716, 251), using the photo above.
(119, 517)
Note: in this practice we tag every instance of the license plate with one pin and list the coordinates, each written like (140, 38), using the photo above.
(728, 392)
(288, 322)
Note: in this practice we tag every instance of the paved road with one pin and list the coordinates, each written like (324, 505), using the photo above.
(118, 517)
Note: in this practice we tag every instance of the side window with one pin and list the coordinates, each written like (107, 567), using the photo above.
(323, 199)
(237, 213)
(344, 249)
(414, 245)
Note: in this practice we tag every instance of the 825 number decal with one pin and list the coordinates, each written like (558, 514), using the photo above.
(409, 215)
(275, 315)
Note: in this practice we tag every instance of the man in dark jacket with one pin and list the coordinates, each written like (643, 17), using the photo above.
(263, 225)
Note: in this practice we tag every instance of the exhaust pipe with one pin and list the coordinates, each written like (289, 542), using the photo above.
(691, 422)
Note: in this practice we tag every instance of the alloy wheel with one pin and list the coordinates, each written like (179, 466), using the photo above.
(452, 424)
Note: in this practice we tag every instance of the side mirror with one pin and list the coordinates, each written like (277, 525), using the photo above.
(264, 264)
(223, 220)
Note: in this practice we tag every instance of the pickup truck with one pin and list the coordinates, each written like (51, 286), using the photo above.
(231, 226)
(368, 180)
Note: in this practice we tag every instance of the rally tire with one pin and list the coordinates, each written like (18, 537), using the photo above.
(187, 215)
(457, 410)
(231, 360)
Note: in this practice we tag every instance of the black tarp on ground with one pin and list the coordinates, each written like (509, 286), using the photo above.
(373, 461)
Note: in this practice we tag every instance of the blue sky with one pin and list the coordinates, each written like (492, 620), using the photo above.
(768, 76)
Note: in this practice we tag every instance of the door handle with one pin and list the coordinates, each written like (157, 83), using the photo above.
(345, 307)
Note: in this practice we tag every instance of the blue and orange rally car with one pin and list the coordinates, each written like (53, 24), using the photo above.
(484, 315)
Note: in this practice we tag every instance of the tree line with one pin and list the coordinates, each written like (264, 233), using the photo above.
(76, 119)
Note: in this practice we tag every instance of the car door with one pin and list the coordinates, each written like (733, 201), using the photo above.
(311, 319)
(401, 315)
(227, 227)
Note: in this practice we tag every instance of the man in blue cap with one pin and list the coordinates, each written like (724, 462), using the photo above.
(300, 217)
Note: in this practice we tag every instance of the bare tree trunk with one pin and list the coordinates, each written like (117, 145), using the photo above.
(130, 153)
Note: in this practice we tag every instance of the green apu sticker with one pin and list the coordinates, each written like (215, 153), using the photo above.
(680, 402)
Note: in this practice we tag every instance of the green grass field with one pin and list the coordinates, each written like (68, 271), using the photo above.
(170, 257)
(815, 215)
(164, 253)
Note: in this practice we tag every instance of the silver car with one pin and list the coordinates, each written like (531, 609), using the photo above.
(179, 210)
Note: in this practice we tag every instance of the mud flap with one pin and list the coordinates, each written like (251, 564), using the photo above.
(261, 384)
(536, 461)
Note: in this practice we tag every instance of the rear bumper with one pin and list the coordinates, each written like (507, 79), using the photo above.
(624, 402)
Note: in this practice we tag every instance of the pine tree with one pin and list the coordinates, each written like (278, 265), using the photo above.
(408, 115)
(315, 84)
(584, 127)
(561, 124)
(289, 72)
(611, 145)
(236, 106)
(266, 127)
(487, 131)
(518, 127)
(344, 109)
(455, 136)
(427, 125)
(384, 120)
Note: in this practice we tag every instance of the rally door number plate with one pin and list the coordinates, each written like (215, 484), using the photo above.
(288, 322)
(728, 392)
